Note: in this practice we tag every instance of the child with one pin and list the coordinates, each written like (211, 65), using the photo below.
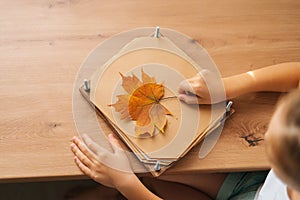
(282, 143)
(283, 151)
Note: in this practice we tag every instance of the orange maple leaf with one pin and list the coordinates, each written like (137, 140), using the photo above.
(142, 104)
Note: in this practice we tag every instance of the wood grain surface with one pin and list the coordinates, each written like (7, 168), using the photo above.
(43, 43)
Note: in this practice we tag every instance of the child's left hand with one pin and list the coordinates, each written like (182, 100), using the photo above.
(101, 165)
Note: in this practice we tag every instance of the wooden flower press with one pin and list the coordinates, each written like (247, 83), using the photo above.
(168, 56)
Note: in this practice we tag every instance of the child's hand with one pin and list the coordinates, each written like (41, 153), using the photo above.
(204, 88)
(109, 169)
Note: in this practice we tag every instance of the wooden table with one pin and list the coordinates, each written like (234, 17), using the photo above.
(43, 43)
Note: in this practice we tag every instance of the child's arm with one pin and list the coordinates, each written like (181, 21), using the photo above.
(101, 165)
(277, 78)
(135, 189)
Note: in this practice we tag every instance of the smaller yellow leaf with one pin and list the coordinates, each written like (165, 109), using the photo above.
(144, 130)
(121, 106)
(158, 117)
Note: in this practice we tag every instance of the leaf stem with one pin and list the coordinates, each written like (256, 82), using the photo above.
(165, 98)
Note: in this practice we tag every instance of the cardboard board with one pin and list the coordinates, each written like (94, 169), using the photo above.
(162, 59)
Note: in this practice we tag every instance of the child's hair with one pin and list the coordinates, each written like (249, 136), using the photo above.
(289, 153)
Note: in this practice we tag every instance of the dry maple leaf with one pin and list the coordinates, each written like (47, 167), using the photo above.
(142, 104)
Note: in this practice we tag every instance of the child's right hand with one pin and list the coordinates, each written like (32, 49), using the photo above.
(204, 88)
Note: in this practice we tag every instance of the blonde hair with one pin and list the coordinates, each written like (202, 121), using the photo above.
(289, 149)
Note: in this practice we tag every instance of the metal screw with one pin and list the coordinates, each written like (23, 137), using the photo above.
(157, 166)
(86, 85)
(228, 106)
(156, 34)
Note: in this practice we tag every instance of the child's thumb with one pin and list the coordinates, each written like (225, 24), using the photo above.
(114, 143)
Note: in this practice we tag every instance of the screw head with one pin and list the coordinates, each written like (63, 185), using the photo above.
(86, 85)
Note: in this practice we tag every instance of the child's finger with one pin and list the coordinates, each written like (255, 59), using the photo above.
(83, 159)
(189, 99)
(114, 143)
(86, 170)
(185, 88)
(94, 147)
(82, 147)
